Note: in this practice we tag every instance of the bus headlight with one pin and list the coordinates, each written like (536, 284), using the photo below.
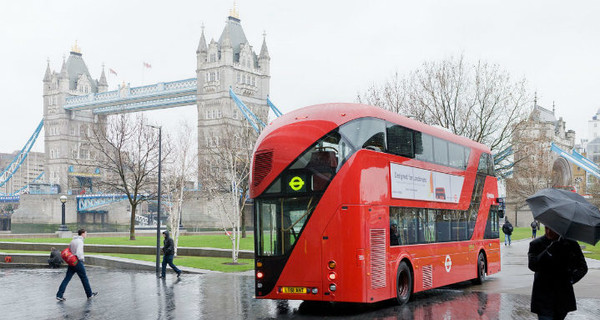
(315, 290)
(332, 287)
(332, 276)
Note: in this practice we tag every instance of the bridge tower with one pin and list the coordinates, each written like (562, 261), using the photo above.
(229, 62)
(67, 151)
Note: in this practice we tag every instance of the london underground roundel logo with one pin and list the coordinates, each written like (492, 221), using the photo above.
(448, 263)
(296, 183)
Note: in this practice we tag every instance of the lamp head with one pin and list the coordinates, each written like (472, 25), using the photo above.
(63, 198)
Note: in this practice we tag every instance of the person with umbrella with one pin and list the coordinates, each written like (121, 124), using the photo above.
(556, 258)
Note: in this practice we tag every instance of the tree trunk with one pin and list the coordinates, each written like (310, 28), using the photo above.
(132, 223)
(243, 217)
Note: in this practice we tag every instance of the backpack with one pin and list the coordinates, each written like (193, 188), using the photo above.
(69, 257)
(533, 225)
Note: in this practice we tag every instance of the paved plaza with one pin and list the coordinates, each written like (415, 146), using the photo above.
(29, 294)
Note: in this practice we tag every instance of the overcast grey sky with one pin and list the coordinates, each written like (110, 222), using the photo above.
(321, 51)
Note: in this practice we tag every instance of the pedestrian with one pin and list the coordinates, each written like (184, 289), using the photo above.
(76, 247)
(55, 260)
(507, 228)
(534, 228)
(168, 254)
(558, 263)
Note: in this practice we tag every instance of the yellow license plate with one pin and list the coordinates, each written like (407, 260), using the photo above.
(294, 290)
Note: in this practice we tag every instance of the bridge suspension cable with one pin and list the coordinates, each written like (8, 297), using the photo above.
(254, 121)
(10, 170)
(273, 107)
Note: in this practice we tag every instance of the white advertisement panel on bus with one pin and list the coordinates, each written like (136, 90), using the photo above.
(420, 184)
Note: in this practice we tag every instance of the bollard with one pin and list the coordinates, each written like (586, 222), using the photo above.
(7, 259)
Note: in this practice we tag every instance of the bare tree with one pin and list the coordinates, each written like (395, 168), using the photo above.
(226, 180)
(479, 101)
(128, 155)
(180, 169)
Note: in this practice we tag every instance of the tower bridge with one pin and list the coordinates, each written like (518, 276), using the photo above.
(74, 103)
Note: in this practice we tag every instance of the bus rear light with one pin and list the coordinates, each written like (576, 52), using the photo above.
(315, 290)
(259, 275)
(259, 285)
(331, 264)
(259, 264)
(332, 287)
(332, 276)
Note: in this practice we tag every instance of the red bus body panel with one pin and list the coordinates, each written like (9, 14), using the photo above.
(354, 209)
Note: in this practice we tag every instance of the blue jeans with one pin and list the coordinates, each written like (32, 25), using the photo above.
(79, 268)
(168, 259)
(507, 239)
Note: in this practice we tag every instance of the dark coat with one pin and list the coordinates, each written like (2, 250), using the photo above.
(557, 266)
(507, 228)
(169, 246)
(55, 259)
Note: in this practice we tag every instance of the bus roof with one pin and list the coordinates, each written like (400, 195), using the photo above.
(332, 115)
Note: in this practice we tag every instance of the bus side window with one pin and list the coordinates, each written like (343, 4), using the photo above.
(400, 141)
(368, 133)
(440, 151)
(483, 164)
(423, 147)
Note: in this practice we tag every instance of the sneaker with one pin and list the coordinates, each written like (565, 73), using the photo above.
(61, 299)
(161, 277)
(178, 274)
(93, 295)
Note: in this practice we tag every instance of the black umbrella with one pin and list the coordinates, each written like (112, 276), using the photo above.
(567, 213)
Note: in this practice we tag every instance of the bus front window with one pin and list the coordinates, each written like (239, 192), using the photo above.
(279, 223)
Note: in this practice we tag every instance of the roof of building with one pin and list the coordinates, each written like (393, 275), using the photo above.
(75, 67)
(542, 114)
(233, 35)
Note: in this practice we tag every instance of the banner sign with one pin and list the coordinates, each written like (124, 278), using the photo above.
(419, 184)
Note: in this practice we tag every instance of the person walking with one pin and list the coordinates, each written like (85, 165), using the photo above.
(507, 228)
(558, 263)
(76, 247)
(168, 254)
(55, 260)
(535, 226)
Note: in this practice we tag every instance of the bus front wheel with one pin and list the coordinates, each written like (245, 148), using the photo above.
(480, 269)
(404, 283)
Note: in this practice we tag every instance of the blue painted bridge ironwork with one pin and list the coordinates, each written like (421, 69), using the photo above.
(157, 96)
(89, 202)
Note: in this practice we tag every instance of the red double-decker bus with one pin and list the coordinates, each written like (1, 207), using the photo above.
(357, 204)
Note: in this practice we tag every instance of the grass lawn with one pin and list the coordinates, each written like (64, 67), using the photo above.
(519, 233)
(208, 241)
(207, 263)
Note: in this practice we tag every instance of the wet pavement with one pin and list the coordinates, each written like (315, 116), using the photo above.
(29, 294)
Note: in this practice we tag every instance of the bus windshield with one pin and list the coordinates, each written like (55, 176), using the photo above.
(280, 222)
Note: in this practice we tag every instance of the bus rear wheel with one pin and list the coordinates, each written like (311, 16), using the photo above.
(404, 283)
(480, 269)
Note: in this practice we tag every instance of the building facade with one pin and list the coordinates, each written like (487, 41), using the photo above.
(69, 157)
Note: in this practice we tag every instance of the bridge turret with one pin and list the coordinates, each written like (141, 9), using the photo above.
(202, 51)
(102, 83)
(264, 60)
(63, 78)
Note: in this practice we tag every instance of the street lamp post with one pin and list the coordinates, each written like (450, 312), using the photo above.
(159, 196)
(63, 226)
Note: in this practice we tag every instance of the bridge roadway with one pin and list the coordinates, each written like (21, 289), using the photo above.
(29, 294)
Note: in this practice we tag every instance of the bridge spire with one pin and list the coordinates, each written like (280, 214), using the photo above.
(202, 44)
(234, 12)
(48, 74)
(264, 52)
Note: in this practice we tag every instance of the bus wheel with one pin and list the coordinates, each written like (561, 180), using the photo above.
(480, 269)
(404, 283)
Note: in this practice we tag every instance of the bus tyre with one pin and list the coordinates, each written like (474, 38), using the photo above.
(480, 269)
(404, 283)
